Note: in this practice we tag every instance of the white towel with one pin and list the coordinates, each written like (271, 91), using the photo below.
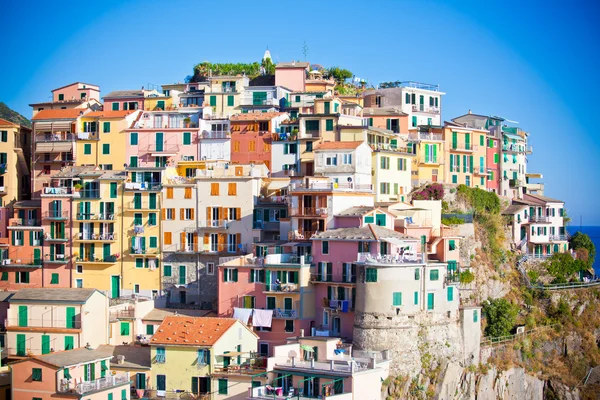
(262, 318)
(243, 314)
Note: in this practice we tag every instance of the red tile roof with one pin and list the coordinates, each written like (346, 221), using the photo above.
(110, 114)
(256, 116)
(6, 122)
(70, 113)
(192, 331)
(338, 145)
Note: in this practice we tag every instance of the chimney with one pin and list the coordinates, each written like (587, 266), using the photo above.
(470, 111)
(301, 332)
(120, 359)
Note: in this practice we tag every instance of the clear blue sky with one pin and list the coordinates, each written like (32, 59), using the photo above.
(535, 63)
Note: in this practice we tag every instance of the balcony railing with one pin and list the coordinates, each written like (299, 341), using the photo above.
(273, 200)
(144, 205)
(21, 261)
(143, 252)
(215, 134)
(464, 147)
(337, 366)
(313, 133)
(22, 222)
(89, 194)
(539, 218)
(309, 211)
(95, 216)
(56, 258)
(515, 183)
(55, 137)
(389, 147)
(282, 287)
(164, 148)
(559, 238)
(88, 136)
(286, 259)
(58, 190)
(56, 214)
(406, 258)
(116, 314)
(432, 160)
(314, 277)
(98, 236)
(90, 258)
(513, 148)
(143, 186)
(47, 160)
(182, 248)
(480, 171)
(93, 386)
(321, 186)
(287, 314)
(425, 136)
(340, 305)
(42, 323)
(425, 108)
(301, 235)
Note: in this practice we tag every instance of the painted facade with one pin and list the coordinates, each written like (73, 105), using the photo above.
(465, 156)
(14, 162)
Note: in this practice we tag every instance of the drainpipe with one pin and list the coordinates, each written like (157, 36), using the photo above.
(122, 234)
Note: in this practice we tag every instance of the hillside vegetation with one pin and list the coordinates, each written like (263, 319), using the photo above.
(13, 116)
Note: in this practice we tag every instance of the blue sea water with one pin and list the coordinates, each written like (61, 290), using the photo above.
(594, 233)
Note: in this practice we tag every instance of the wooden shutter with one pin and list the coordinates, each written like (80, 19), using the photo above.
(188, 192)
(208, 215)
(169, 193)
(182, 214)
(221, 242)
(238, 239)
(232, 189)
(206, 238)
(164, 213)
(196, 242)
(192, 214)
(214, 189)
(168, 238)
(238, 213)
(223, 214)
(182, 240)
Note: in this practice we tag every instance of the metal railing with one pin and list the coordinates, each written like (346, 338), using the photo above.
(425, 108)
(55, 137)
(164, 148)
(89, 194)
(21, 261)
(90, 258)
(309, 211)
(559, 238)
(538, 218)
(109, 236)
(341, 366)
(282, 287)
(425, 136)
(56, 214)
(42, 323)
(143, 205)
(464, 147)
(143, 186)
(58, 190)
(301, 235)
(315, 277)
(88, 136)
(389, 147)
(288, 314)
(214, 134)
(406, 258)
(94, 386)
(95, 216)
(127, 313)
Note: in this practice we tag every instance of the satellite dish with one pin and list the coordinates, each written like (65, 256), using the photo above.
(349, 179)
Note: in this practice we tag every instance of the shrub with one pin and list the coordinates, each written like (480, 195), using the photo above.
(466, 277)
(500, 315)
(533, 276)
(434, 191)
(480, 200)
(452, 221)
(581, 241)
(562, 266)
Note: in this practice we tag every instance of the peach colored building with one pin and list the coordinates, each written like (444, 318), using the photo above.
(291, 75)
(251, 137)
(74, 374)
(15, 157)
(22, 258)
(390, 118)
(77, 95)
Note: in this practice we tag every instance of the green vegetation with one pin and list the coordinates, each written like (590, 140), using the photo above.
(584, 248)
(466, 277)
(452, 221)
(480, 200)
(563, 267)
(339, 74)
(500, 316)
(202, 70)
(13, 116)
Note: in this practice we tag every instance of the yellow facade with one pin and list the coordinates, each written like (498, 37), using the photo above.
(465, 156)
(141, 235)
(98, 231)
(158, 103)
(105, 143)
(14, 168)
(224, 94)
(391, 175)
(181, 363)
(428, 163)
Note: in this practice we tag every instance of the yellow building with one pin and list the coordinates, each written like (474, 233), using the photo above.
(465, 155)
(98, 231)
(427, 144)
(156, 103)
(211, 357)
(102, 140)
(15, 154)
(224, 94)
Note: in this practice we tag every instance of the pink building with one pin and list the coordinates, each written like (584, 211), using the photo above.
(277, 282)
(493, 163)
(158, 139)
(291, 75)
(76, 91)
(124, 100)
(80, 373)
(22, 248)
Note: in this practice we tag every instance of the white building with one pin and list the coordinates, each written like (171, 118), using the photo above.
(285, 159)
(269, 98)
(214, 140)
(346, 163)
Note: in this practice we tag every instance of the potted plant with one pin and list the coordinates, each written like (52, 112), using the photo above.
(78, 187)
(187, 121)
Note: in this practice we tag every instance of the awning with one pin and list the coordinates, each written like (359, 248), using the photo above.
(306, 348)
(62, 147)
(397, 242)
(54, 125)
(278, 184)
(56, 147)
(511, 136)
(43, 147)
(67, 373)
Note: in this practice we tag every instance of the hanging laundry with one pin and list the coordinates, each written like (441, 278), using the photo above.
(262, 318)
(243, 314)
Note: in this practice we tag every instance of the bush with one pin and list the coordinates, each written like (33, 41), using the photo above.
(500, 315)
(434, 191)
(480, 200)
(466, 277)
(452, 221)
(581, 241)
(533, 276)
(562, 266)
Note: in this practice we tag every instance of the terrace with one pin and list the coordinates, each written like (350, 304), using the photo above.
(82, 388)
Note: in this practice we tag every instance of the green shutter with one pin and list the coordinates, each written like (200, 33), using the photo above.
(235, 275)
(45, 344)
(23, 318)
(223, 385)
(397, 298)
(105, 148)
(416, 298)
(454, 140)
(450, 293)
(70, 317)
(426, 153)
(230, 101)
(430, 301)
(124, 328)
(133, 138)
(113, 190)
(213, 101)
(106, 127)
(87, 149)
(115, 106)
(187, 138)
(329, 125)
(471, 164)
(21, 344)
(54, 280)
(69, 342)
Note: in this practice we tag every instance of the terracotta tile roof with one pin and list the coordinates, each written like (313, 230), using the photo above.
(110, 114)
(256, 116)
(6, 122)
(338, 145)
(192, 331)
(70, 113)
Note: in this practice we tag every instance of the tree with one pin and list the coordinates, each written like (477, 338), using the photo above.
(500, 315)
(339, 74)
(562, 266)
(269, 67)
(582, 241)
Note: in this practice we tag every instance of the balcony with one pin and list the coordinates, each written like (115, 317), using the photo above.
(96, 217)
(89, 194)
(339, 305)
(273, 200)
(55, 259)
(538, 219)
(308, 212)
(96, 237)
(55, 137)
(21, 262)
(282, 288)
(91, 259)
(559, 238)
(22, 222)
(2, 190)
(2, 169)
(432, 161)
(215, 135)
(140, 206)
(289, 260)
(344, 280)
(138, 252)
(421, 136)
(514, 148)
(285, 314)
(516, 183)
(464, 148)
(42, 323)
(56, 215)
(425, 109)
(47, 160)
(480, 171)
(162, 148)
(312, 133)
(55, 238)
(143, 186)
(105, 383)
(391, 148)
(301, 235)
(311, 365)
(214, 248)
(326, 186)
(407, 258)
(58, 190)
(182, 248)
(88, 136)
(124, 313)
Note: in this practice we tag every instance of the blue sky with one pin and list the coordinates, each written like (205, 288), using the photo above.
(531, 62)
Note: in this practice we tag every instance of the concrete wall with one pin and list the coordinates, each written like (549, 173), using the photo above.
(291, 78)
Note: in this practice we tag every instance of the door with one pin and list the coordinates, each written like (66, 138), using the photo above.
(70, 320)
(159, 141)
(21, 344)
(430, 301)
(106, 251)
(182, 275)
(182, 297)
(23, 316)
(204, 385)
(288, 303)
(37, 256)
(115, 287)
(45, 344)
(336, 325)
(137, 201)
(161, 382)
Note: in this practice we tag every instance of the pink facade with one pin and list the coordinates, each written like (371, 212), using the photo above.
(158, 148)
(76, 91)
(493, 164)
(57, 227)
(251, 142)
(124, 103)
(382, 121)
(291, 78)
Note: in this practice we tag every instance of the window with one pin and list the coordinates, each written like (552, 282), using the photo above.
(232, 189)
(22, 277)
(331, 160)
(213, 101)
(210, 268)
(79, 283)
(168, 237)
(451, 245)
(385, 163)
(475, 316)
(496, 156)
(384, 187)
(230, 275)
(4, 136)
(161, 355)
(36, 374)
(187, 138)
(61, 97)
(397, 299)
(416, 298)
(54, 280)
(454, 179)
(401, 164)
(214, 189)
(105, 148)
(325, 247)
(329, 125)
(152, 219)
(252, 145)
(414, 121)
(153, 242)
(450, 293)
(106, 127)
(149, 329)
(434, 275)
(371, 275)
(133, 138)
(325, 318)
(203, 356)
(347, 159)
(87, 149)
(187, 193)
(417, 274)
(115, 106)
(289, 325)
(124, 328)
(223, 386)
(167, 270)
(309, 147)
(230, 99)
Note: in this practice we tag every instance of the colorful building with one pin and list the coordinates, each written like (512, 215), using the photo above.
(45, 320)
(203, 356)
(15, 157)
(224, 94)
(348, 164)
(465, 155)
(292, 75)
(83, 373)
(77, 95)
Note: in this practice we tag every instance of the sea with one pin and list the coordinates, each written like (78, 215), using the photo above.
(594, 233)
